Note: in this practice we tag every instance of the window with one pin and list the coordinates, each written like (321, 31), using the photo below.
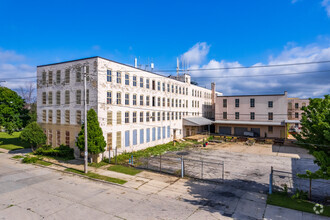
(87, 98)
(50, 78)
(118, 98)
(58, 116)
(158, 86)
(186, 91)
(290, 105)
(168, 132)
(186, 103)
(224, 114)
(141, 136)
(109, 118)
(147, 116)
(153, 85)
(168, 116)
(303, 104)
(164, 116)
(78, 97)
(58, 77)
(153, 134)
(141, 100)
(176, 103)
(148, 101)
(126, 99)
(109, 76)
(236, 103)
(164, 103)
(58, 98)
(172, 102)
(252, 115)
(44, 78)
(118, 142)
(270, 104)
(141, 82)
(109, 141)
(119, 77)
(50, 98)
(270, 115)
(176, 89)
(158, 101)
(58, 138)
(44, 115)
(179, 90)
(176, 115)
(168, 87)
(148, 135)
(44, 98)
(141, 116)
(153, 116)
(163, 87)
(252, 103)
(168, 103)
(109, 97)
(126, 79)
(172, 117)
(180, 103)
(158, 133)
(67, 76)
(67, 97)
(135, 137)
(78, 117)
(67, 116)
(78, 75)
(126, 138)
(50, 116)
(153, 101)
(164, 132)
(134, 80)
(118, 118)
(134, 99)
(296, 115)
(67, 138)
(296, 105)
(158, 116)
(134, 117)
(147, 83)
(126, 117)
(270, 129)
(172, 88)
(236, 115)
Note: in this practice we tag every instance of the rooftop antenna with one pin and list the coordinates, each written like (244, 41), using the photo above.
(135, 62)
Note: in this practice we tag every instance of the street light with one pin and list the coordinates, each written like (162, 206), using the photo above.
(85, 102)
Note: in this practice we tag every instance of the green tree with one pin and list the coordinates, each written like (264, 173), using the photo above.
(315, 135)
(95, 139)
(13, 115)
(34, 135)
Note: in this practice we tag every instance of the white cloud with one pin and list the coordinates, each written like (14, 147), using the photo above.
(300, 85)
(326, 5)
(196, 54)
(10, 56)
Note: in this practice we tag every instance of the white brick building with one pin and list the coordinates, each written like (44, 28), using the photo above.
(136, 108)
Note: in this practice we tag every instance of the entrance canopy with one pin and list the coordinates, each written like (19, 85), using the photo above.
(196, 121)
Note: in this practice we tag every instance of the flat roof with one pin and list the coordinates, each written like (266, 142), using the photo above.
(253, 95)
(199, 121)
(280, 123)
(93, 57)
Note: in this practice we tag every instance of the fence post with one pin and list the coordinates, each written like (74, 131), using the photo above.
(182, 167)
(271, 181)
(160, 163)
(116, 156)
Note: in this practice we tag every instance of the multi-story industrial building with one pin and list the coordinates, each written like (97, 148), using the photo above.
(295, 111)
(264, 115)
(136, 108)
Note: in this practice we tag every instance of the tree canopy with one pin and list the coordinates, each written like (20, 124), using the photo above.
(13, 115)
(95, 139)
(33, 134)
(315, 135)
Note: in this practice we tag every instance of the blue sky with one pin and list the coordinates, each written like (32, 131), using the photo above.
(203, 33)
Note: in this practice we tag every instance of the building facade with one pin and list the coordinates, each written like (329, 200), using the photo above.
(136, 108)
(264, 115)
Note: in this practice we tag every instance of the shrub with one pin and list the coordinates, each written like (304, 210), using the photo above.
(30, 159)
(300, 194)
(34, 135)
(63, 151)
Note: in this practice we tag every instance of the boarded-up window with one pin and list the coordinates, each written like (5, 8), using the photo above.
(109, 118)
(44, 98)
(50, 116)
(58, 77)
(43, 81)
(58, 138)
(43, 115)
(50, 78)
(109, 141)
(58, 97)
(78, 117)
(118, 118)
(67, 76)
(67, 97)
(78, 74)
(78, 97)
(50, 98)
(118, 143)
(67, 138)
(58, 116)
(67, 116)
(50, 137)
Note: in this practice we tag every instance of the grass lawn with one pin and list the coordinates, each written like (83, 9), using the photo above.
(123, 169)
(17, 157)
(285, 201)
(45, 163)
(11, 142)
(97, 176)
(34, 160)
(98, 165)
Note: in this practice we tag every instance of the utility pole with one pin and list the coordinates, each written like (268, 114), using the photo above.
(85, 102)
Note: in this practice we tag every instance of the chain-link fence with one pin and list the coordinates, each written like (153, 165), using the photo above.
(316, 189)
(180, 166)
